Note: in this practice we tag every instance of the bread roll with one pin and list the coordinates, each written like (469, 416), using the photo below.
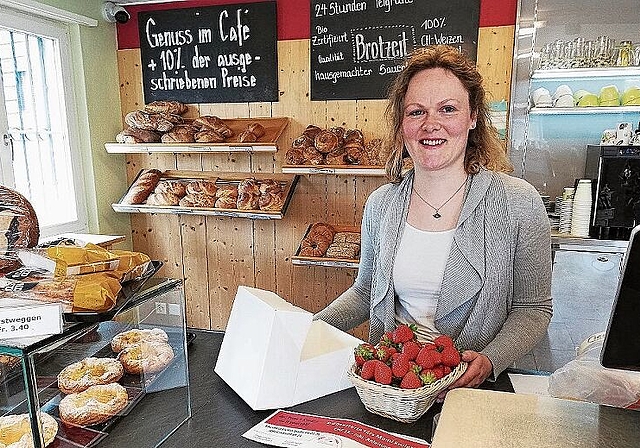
(256, 129)
(311, 131)
(175, 136)
(302, 142)
(209, 136)
(142, 187)
(133, 135)
(248, 201)
(328, 141)
(198, 200)
(249, 186)
(161, 199)
(247, 136)
(353, 135)
(171, 186)
(312, 156)
(227, 190)
(343, 250)
(355, 151)
(294, 156)
(227, 202)
(153, 122)
(166, 107)
(202, 187)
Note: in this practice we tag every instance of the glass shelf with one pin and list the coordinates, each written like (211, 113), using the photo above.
(586, 73)
(582, 110)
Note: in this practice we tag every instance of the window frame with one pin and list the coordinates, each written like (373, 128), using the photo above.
(21, 22)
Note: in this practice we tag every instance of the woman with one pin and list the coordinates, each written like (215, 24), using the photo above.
(455, 245)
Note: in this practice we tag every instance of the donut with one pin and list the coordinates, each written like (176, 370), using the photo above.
(95, 405)
(130, 337)
(146, 356)
(15, 430)
(327, 141)
(88, 372)
(313, 247)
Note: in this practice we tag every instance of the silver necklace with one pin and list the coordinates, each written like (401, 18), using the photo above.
(437, 214)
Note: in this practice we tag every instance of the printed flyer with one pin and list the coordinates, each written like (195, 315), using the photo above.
(292, 429)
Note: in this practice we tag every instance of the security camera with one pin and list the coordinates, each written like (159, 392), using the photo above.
(115, 13)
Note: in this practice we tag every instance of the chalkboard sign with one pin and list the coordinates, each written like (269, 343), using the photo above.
(357, 46)
(215, 54)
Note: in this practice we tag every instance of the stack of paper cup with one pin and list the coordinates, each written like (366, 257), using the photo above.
(566, 210)
(581, 213)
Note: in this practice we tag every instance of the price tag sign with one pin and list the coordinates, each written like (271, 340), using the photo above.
(30, 320)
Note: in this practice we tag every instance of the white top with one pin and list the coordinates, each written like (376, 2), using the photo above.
(417, 277)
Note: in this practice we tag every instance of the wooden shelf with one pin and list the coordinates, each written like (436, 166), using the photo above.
(290, 182)
(273, 129)
(583, 110)
(352, 170)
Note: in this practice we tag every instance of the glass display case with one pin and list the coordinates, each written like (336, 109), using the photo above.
(576, 74)
(31, 374)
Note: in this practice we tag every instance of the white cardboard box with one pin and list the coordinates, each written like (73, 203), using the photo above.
(274, 355)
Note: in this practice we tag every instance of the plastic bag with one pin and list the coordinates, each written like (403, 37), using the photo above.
(585, 379)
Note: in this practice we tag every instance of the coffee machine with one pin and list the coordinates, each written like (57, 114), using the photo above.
(615, 174)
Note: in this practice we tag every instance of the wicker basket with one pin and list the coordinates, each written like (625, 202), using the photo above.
(403, 405)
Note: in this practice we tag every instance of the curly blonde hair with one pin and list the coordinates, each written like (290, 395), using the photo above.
(484, 148)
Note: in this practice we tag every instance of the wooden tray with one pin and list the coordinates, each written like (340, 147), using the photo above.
(288, 180)
(267, 143)
(327, 261)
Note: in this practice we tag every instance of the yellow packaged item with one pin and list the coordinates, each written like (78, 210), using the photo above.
(76, 260)
(131, 265)
(96, 292)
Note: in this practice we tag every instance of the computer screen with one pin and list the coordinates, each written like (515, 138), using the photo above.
(621, 348)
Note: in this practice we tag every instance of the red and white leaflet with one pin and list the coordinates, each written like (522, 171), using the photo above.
(293, 429)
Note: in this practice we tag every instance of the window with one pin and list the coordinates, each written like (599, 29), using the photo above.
(40, 154)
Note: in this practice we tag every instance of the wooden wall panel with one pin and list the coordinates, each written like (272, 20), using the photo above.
(216, 254)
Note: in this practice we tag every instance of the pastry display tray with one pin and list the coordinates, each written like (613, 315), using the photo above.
(326, 261)
(289, 181)
(267, 143)
(128, 291)
(353, 170)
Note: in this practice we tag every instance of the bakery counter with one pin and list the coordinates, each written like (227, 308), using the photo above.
(220, 416)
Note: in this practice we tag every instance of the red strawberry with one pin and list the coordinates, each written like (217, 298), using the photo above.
(368, 369)
(363, 352)
(403, 333)
(410, 381)
(427, 377)
(447, 370)
(438, 371)
(411, 349)
(443, 341)
(382, 374)
(430, 346)
(387, 339)
(400, 365)
(383, 353)
(450, 356)
(427, 358)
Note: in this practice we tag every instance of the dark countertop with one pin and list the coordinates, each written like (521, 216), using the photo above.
(220, 416)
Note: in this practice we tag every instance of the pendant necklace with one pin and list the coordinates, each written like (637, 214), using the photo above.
(437, 214)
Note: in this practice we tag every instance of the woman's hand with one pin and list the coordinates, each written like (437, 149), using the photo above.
(478, 369)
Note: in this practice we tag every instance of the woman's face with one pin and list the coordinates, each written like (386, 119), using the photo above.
(436, 120)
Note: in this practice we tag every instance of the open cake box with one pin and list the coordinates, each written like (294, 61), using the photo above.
(274, 355)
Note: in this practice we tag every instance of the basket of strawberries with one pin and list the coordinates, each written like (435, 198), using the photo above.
(400, 377)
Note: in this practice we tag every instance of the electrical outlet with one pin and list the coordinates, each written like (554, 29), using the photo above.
(161, 308)
(174, 309)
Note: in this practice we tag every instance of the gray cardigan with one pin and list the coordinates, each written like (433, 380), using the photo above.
(496, 290)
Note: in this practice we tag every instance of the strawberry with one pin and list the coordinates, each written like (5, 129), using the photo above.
(363, 352)
(428, 358)
(403, 333)
(400, 365)
(368, 369)
(430, 346)
(427, 377)
(443, 341)
(447, 370)
(387, 339)
(411, 349)
(382, 373)
(438, 371)
(410, 381)
(450, 356)
(383, 353)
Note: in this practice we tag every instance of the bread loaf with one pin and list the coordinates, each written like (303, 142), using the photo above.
(209, 136)
(213, 123)
(198, 200)
(226, 202)
(247, 136)
(19, 227)
(153, 122)
(166, 107)
(256, 129)
(161, 199)
(202, 187)
(142, 187)
(327, 141)
(347, 237)
(294, 156)
(171, 186)
(175, 136)
(227, 190)
(133, 135)
(349, 251)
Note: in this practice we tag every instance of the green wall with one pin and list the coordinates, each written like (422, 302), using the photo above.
(98, 100)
